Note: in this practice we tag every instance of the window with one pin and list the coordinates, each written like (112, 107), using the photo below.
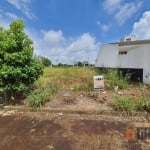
(122, 52)
(128, 39)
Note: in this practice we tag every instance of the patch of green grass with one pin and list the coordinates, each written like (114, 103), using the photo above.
(123, 104)
(129, 104)
(143, 104)
(38, 98)
(113, 79)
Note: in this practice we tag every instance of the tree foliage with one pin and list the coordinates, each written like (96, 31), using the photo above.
(80, 64)
(45, 61)
(18, 69)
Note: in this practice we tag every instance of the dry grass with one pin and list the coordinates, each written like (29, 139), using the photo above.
(69, 78)
(59, 79)
(81, 79)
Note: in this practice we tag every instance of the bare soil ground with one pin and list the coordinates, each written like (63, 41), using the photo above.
(45, 131)
(58, 131)
(80, 100)
(94, 100)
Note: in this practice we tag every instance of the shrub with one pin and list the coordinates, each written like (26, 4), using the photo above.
(18, 70)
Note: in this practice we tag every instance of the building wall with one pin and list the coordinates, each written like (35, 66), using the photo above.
(137, 57)
(146, 68)
(133, 58)
(107, 56)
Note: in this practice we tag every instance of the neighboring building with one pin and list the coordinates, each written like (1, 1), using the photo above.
(81, 63)
(129, 53)
(85, 63)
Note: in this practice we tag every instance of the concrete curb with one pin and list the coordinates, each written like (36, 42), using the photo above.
(76, 111)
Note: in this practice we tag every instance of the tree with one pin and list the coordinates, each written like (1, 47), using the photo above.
(45, 61)
(80, 64)
(18, 69)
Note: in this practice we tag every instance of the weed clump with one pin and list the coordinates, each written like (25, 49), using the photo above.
(113, 79)
(123, 103)
(129, 104)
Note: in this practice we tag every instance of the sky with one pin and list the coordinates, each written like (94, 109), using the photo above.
(68, 31)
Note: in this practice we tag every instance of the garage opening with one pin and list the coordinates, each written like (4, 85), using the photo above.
(135, 75)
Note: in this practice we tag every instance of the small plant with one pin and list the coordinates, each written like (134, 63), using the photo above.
(128, 104)
(113, 79)
(143, 104)
(123, 104)
(38, 98)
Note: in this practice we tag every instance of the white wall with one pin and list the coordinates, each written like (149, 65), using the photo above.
(107, 56)
(133, 58)
(138, 56)
(146, 70)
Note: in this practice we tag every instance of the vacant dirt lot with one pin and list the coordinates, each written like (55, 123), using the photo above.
(58, 131)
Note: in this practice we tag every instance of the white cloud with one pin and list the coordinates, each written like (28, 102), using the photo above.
(82, 43)
(126, 11)
(11, 15)
(58, 48)
(22, 5)
(54, 45)
(112, 5)
(121, 10)
(3, 21)
(53, 37)
(106, 27)
(6, 18)
(142, 27)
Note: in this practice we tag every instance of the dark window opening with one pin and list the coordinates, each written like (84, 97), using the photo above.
(135, 75)
(122, 52)
(129, 39)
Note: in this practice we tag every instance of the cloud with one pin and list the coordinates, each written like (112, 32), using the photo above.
(112, 5)
(121, 10)
(142, 27)
(11, 15)
(56, 47)
(53, 37)
(106, 27)
(126, 11)
(22, 5)
(82, 43)
(6, 18)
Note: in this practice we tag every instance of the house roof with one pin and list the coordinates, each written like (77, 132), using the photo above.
(138, 42)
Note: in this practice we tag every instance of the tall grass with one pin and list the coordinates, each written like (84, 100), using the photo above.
(129, 104)
(81, 79)
(113, 79)
(121, 103)
(55, 79)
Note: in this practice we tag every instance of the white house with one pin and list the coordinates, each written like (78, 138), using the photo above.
(129, 53)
